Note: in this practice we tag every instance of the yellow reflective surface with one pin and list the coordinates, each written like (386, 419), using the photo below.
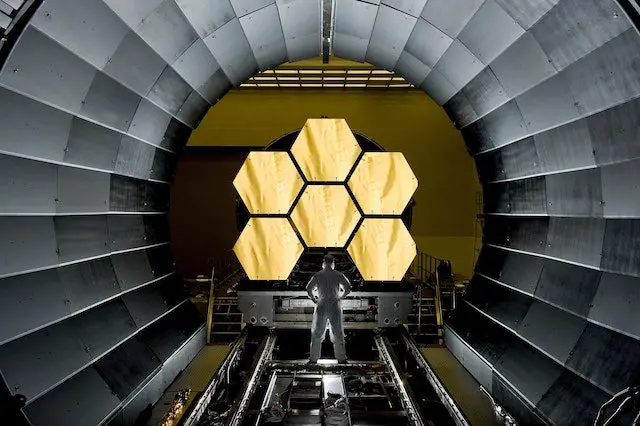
(326, 150)
(268, 182)
(325, 216)
(382, 249)
(383, 183)
(268, 248)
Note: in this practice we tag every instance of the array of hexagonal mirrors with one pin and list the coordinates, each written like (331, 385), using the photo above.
(325, 192)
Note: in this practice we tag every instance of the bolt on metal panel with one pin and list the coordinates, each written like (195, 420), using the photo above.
(576, 193)
(27, 243)
(615, 304)
(87, 28)
(264, 34)
(45, 70)
(27, 186)
(390, 33)
(490, 32)
(231, 49)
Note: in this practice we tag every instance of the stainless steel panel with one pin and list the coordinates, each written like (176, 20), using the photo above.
(170, 91)
(615, 304)
(40, 293)
(485, 93)
(132, 269)
(506, 395)
(520, 159)
(126, 367)
(176, 136)
(569, 286)
(194, 109)
(528, 12)
(27, 186)
(5, 21)
(460, 110)
(7, 10)
(410, 7)
(614, 133)
(607, 358)
(86, 393)
(156, 197)
(575, 194)
(621, 251)
(126, 232)
(196, 64)
(215, 87)
(149, 395)
(264, 34)
(127, 194)
(504, 305)
(102, 328)
(522, 65)
(133, 12)
(26, 243)
(91, 145)
(572, 401)
(30, 366)
(490, 32)
(232, 51)
(300, 22)
(109, 102)
(82, 191)
(478, 368)
(389, 36)
(412, 69)
(354, 22)
(88, 28)
(498, 128)
(135, 64)
(88, 283)
(32, 128)
(450, 16)
(47, 71)
(81, 237)
(15, 3)
(135, 158)
(168, 334)
(145, 304)
(565, 147)
(164, 165)
(521, 271)
(438, 87)
(459, 65)
(574, 28)
(167, 31)
(244, 7)
(149, 122)
(427, 43)
(552, 330)
(206, 16)
(526, 234)
(548, 104)
(528, 196)
(529, 371)
(576, 239)
(607, 76)
(621, 189)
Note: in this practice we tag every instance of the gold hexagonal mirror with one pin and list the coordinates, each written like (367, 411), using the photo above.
(268, 182)
(325, 215)
(326, 150)
(383, 183)
(268, 248)
(382, 249)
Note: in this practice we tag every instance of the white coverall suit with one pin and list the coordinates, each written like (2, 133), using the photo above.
(328, 308)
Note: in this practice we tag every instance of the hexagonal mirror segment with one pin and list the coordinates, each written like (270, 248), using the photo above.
(268, 248)
(383, 183)
(268, 182)
(382, 249)
(325, 216)
(326, 150)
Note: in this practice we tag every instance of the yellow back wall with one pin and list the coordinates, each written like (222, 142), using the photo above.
(406, 121)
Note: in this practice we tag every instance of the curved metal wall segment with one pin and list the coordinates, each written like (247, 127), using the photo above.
(98, 97)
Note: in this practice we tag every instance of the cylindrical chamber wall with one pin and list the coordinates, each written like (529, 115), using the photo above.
(98, 97)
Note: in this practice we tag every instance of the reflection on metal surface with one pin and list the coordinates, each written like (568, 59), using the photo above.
(382, 249)
(268, 182)
(325, 216)
(268, 248)
(326, 150)
(383, 183)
